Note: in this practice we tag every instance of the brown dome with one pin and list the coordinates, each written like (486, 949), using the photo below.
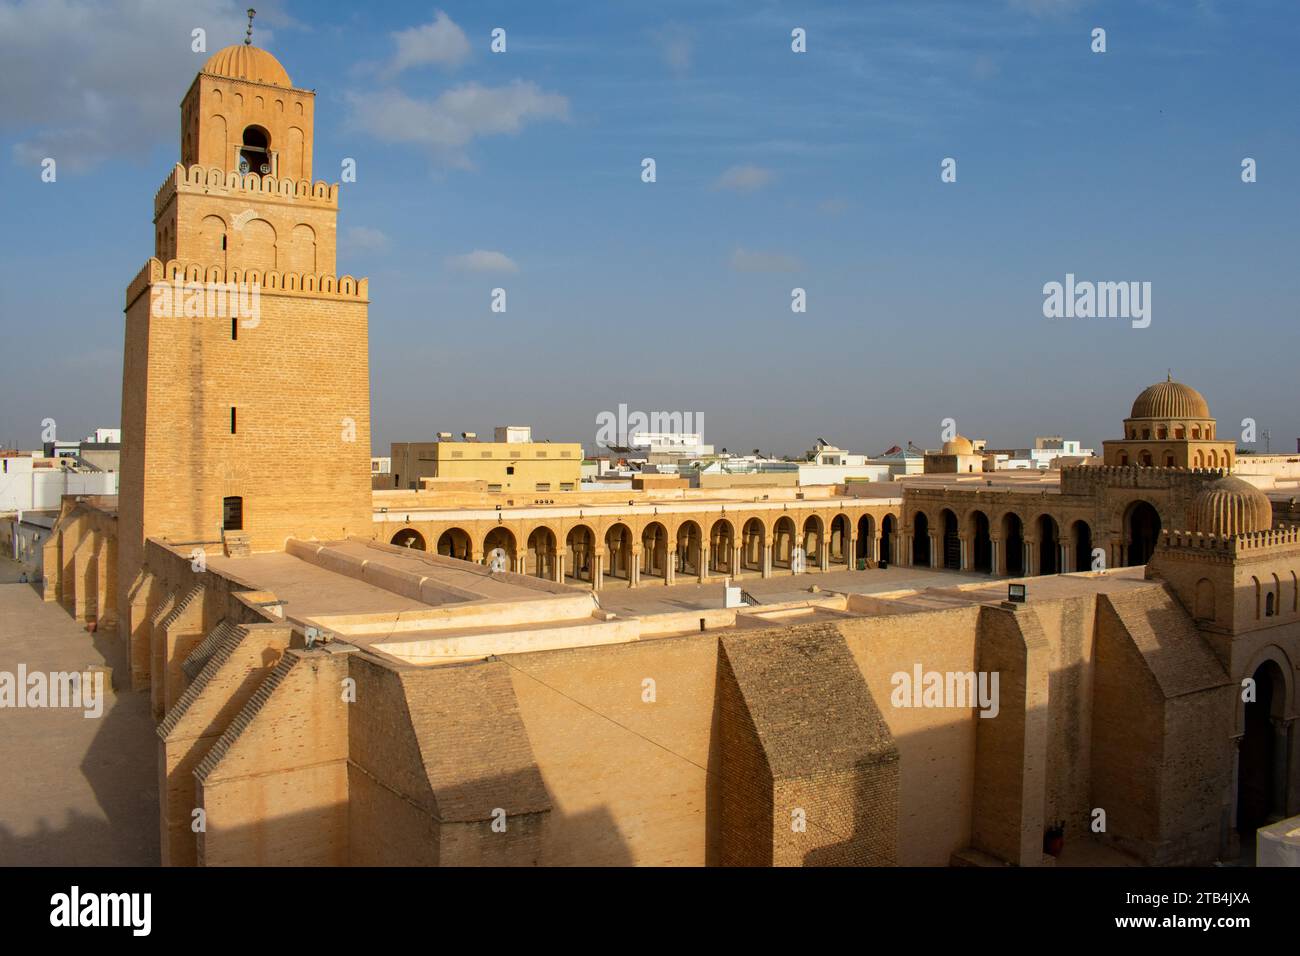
(1231, 506)
(246, 62)
(1170, 399)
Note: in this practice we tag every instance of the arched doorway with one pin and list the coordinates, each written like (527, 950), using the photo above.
(688, 548)
(1049, 546)
(541, 553)
(982, 559)
(752, 537)
(722, 547)
(454, 543)
(1261, 772)
(951, 541)
(783, 542)
(887, 528)
(255, 152)
(409, 538)
(580, 545)
(654, 550)
(500, 539)
(921, 540)
(839, 539)
(1141, 532)
(618, 552)
(866, 534)
(812, 541)
(1013, 544)
(1082, 546)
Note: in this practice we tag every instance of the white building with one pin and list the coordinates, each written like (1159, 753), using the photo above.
(39, 484)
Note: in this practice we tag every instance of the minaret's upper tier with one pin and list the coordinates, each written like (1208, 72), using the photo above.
(243, 114)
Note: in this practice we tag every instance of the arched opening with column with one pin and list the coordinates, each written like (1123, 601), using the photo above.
(580, 554)
(618, 552)
(811, 541)
(921, 540)
(752, 538)
(981, 543)
(839, 539)
(1262, 768)
(1082, 534)
(541, 553)
(689, 543)
(654, 550)
(1013, 544)
(1141, 532)
(502, 539)
(783, 542)
(866, 535)
(1049, 545)
(888, 527)
(722, 547)
(409, 538)
(951, 540)
(455, 543)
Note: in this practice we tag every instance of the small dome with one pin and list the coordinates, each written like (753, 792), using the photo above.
(1170, 399)
(960, 445)
(1231, 506)
(246, 62)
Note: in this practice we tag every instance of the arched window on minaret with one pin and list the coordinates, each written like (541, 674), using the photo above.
(255, 152)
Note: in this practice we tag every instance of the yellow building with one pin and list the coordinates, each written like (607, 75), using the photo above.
(511, 463)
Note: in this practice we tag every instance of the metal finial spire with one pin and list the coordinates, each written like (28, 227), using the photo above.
(1170, 376)
(248, 37)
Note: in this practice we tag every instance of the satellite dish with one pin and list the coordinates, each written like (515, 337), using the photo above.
(497, 560)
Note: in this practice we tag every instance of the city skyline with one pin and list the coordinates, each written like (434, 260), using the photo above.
(775, 170)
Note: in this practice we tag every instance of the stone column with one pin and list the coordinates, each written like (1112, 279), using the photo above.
(824, 554)
(670, 566)
(634, 566)
(1031, 557)
(767, 559)
(736, 564)
(557, 566)
(704, 563)
(597, 568)
(995, 555)
(964, 542)
(850, 550)
(936, 550)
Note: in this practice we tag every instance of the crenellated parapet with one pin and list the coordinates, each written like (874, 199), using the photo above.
(267, 281)
(1250, 543)
(209, 180)
(1087, 479)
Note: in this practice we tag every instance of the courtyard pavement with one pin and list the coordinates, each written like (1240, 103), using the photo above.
(74, 791)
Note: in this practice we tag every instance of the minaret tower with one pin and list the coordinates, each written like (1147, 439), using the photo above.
(245, 386)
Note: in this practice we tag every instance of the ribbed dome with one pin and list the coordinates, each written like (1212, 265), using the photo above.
(960, 445)
(1231, 506)
(1170, 399)
(246, 62)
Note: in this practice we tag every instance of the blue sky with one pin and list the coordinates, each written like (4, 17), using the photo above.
(774, 170)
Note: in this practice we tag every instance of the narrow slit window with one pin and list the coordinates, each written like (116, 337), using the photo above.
(233, 422)
(234, 330)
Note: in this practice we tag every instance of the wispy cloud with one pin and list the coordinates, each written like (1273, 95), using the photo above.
(482, 260)
(448, 124)
(745, 178)
(440, 43)
(745, 260)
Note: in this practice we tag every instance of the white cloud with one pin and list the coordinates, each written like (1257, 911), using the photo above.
(744, 178)
(441, 43)
(676, 45)
(745, 260)
(86, 82)
(448, 124)
(482, 260)
(365, 237)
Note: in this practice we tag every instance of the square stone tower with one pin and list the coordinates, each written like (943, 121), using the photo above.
(245, 391)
